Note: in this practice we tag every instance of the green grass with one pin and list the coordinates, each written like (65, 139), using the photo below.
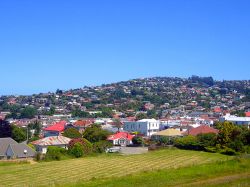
(224, 173)
(10, 163)
(78, 171)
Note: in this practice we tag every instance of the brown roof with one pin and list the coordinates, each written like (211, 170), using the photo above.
(203, 129)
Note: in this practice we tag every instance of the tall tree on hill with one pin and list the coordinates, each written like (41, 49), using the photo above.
(117, 123)
(5, 129)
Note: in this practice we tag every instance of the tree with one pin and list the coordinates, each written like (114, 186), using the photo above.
(188, 142)
(141, 116)
(5, 129)
(35, 126)
(18, 134)
(72, 133)
(107, 112)
(117, 123)
(101, 146)
(54, 153)
(207, 139)
(77, 150)
(86, 145)
(137, 140)
(28, 112)
(225, 132)
(78, 113)
(95, 133)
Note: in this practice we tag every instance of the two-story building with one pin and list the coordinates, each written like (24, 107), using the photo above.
(147, 127)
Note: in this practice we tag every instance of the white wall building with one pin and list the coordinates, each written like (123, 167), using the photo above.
(146, 127)
(236, 120)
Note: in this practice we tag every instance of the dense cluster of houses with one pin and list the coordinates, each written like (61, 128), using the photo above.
(52, 134)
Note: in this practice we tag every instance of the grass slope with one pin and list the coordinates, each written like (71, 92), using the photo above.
(224, 173)
(101, 167)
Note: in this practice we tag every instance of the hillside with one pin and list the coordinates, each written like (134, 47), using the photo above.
(154, 96)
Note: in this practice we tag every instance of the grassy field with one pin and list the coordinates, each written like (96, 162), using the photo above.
(225, 173)
(79, 171)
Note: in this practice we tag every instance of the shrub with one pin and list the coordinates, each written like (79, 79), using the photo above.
(54, 153)
(188, 142)
(211, 149)
(72, 133)
(228, 151)
(246, 149)
(95, 133)
(86, 145)
(207, 139)
(137, 140)
(100, 147)
(77, 150)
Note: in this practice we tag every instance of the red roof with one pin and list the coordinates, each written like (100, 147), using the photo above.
(203, 129)
(247, 114)
(83, 123)
(59, 126)
(217, 109)
(119, 135)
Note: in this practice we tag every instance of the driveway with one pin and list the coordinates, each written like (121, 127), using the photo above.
(133, 150)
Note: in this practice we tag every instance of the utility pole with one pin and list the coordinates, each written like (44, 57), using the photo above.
(27, 134)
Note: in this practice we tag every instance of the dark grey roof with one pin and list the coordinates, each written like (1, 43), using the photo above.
(4, 143)
(18, 150)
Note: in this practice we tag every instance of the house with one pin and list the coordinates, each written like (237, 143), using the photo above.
(121, 138)
(147, 127)
(203, 129)
(59, 141)
(55, 129)
(15, 151)
(9, 148)
(167, 133)
(236, 120)
(80, 125)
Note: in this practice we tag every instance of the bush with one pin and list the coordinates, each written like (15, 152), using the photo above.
(77, 150)
(246, 149)
(137, 140)
(207, 139)
(100, 147)
(72, 133)
(211, 149)
(228, 151)
(86, 145)
(188, 142)
(38, 156)
(95, 133)
(54, 153)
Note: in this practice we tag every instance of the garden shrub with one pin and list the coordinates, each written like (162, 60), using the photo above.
(77, 150)
(55, 153)
(101, 146)
(86, 145)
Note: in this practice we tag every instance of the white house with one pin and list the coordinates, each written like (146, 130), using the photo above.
(59, 141)
(146, 127)
(121, 138)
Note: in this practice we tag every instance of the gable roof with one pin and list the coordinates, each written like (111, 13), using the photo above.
(4, 143)
(203, 129)
(59, 126)
(168, 132)
(52, 140)
(83, 123)
(119, 135)
(19, 149)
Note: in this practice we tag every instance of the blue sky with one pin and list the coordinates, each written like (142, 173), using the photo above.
(45, 45)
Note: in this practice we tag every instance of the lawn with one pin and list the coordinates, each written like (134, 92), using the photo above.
(79, 171)
(224, 173)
